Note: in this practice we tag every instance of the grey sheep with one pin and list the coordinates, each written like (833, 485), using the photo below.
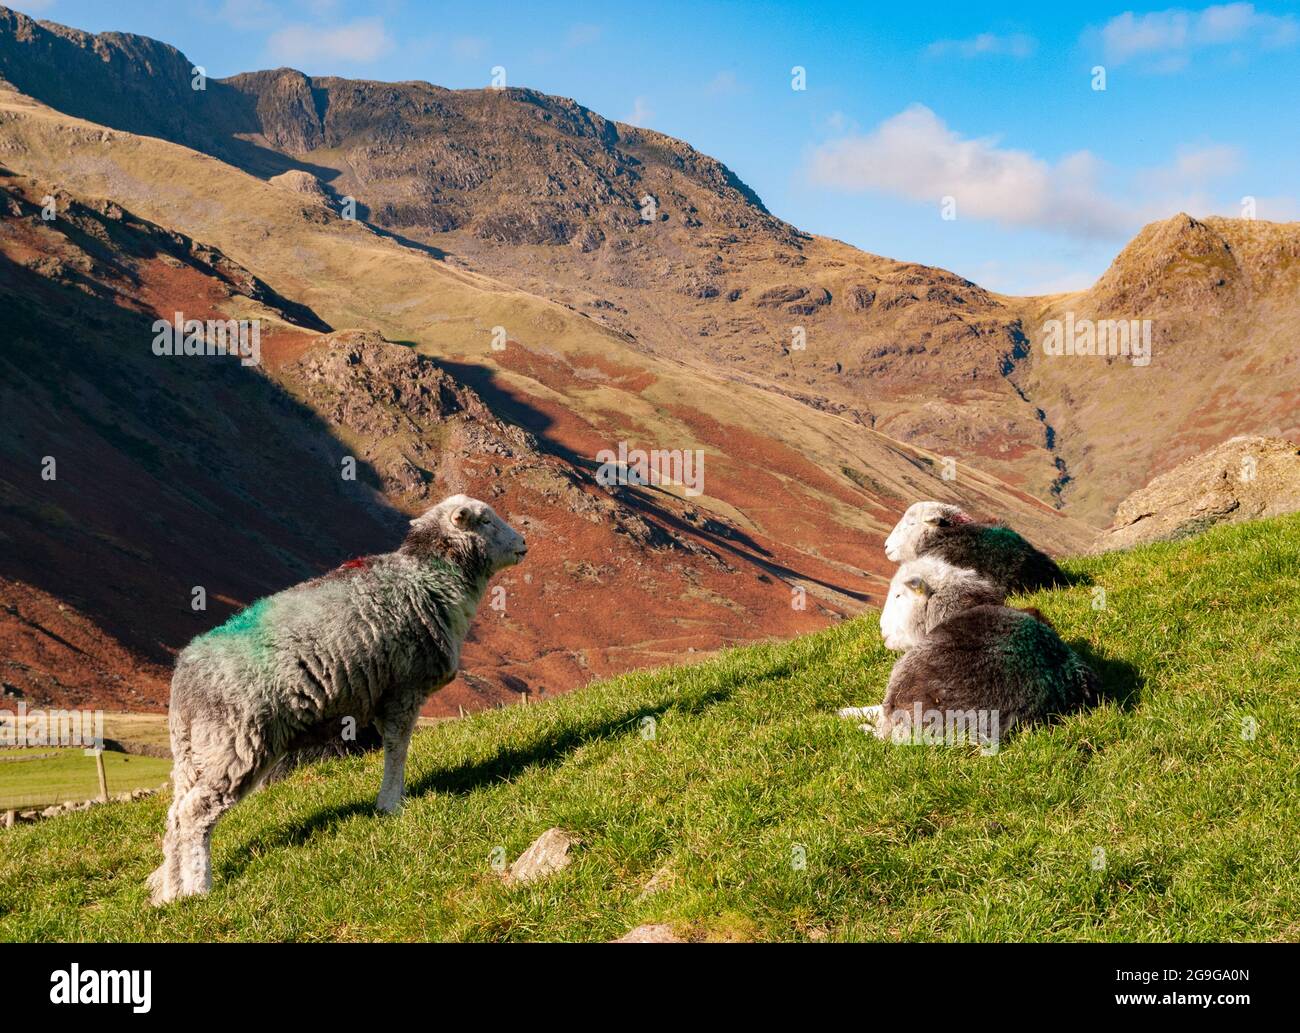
(969, 664)
(996, 551)
(366, 643)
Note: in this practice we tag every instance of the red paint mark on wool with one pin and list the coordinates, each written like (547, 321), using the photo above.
(358, 564)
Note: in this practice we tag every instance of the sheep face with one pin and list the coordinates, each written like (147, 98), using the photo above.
(903, 541)
(471, 527)
(902, 621)
(924, 593)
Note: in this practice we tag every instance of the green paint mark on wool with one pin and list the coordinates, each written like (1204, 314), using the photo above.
(1034, 652)
(1001, 542)
(247, 622)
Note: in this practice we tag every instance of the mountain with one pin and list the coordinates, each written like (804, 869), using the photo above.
(548, 196)
(544, 194)
(1222, 297)
(365, 331)
(574, 283)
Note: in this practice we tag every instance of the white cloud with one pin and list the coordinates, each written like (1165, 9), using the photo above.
(914, 155)
(1168, 38)
(1275, 209)
(1044, 274)
(641, 113)
(1194, 166)
(986, 44)
(1063, 283)
(363, 40)
(247, 14)
(469, 48)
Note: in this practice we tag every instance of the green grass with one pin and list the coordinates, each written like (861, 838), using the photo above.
(1199, 824)
(42, 776)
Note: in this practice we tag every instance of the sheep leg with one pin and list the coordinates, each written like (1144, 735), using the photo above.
(197, 812)
(195, 817)
(869, 714)
(396, 730)
(165, 880)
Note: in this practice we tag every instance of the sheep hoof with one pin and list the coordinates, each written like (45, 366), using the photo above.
(160, 894)
(388, 806)
(157, 883)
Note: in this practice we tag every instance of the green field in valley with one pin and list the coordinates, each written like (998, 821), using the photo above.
(39, 776)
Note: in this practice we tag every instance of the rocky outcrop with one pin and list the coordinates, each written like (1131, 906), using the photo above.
(297, 181)
(1245, 478)
(414, 418)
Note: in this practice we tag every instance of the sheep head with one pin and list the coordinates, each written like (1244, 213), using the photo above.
(904, 540)
(924, 593)
(467, 533)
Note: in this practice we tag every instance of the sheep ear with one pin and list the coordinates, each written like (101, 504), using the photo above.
(918, 586)
(463, 517)
(938, 521)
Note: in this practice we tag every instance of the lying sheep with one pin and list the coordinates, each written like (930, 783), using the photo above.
(968, 660)
(995, 550)
(366, 643)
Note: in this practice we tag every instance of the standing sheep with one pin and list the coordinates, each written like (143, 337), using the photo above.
(968, 660)
(367, 642)
(995, 550)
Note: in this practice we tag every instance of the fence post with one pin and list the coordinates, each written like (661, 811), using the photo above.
(103, 778)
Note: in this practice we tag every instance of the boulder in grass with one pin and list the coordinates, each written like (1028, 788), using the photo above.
(549, 852)
(1244, 478)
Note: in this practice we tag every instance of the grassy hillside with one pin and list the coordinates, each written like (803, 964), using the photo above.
(1199, 823)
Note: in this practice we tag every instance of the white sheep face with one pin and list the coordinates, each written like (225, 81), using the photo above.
(902, 621)
(901, 545)
(461, 517)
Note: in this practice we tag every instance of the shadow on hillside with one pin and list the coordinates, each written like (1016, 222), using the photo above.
(398, 238)
(1121, 682)
(172, 472)
(509, 406)
(503, 766)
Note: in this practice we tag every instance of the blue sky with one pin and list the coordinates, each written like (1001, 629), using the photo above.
(905, 104)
